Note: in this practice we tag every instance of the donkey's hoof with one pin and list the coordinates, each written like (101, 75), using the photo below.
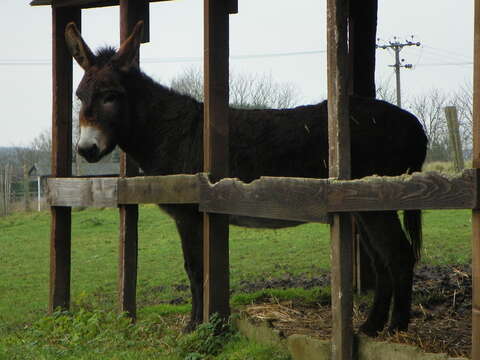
(371, 330)
(191, 326)
(396, 327)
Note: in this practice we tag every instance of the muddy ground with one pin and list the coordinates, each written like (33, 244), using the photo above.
(441, 316)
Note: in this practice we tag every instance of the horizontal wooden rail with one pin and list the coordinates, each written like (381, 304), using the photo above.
(85, 4)
(312, 199)
(418, 191)
(111, 192)
(300, 199)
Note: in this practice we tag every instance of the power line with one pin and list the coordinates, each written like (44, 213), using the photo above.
(180, 59)
(48, 62)
(469, 63)
(444, 52)
(397, 48)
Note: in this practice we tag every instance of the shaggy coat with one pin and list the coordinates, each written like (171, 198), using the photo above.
(162, 131)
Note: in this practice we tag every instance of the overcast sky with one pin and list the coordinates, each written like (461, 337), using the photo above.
(281, 38)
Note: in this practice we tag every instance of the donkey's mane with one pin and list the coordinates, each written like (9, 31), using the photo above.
(104, 54)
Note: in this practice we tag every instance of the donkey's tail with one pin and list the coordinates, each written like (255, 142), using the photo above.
(412, 221)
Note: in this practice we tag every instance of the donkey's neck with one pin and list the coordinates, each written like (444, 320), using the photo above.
(165, 131)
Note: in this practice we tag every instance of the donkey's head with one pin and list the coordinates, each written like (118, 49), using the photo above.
(104, 112)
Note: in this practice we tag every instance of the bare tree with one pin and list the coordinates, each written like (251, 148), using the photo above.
(190, 82)
(429, 108)
(385, 91)
(246, 91)
(463, 100)
(41, 145)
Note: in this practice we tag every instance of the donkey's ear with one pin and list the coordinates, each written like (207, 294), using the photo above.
(77, 46)
(127, 55)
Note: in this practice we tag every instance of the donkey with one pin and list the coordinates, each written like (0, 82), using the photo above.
(162, 131)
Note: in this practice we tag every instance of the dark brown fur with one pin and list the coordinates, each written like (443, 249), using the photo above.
(162, 131)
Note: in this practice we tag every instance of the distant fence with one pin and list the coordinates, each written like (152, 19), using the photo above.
(5, 190)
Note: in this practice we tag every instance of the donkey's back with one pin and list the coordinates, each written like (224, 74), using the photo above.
(385, 140)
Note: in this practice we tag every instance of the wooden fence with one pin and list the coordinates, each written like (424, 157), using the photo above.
(301, 199)
(323, 200)
(5, 190)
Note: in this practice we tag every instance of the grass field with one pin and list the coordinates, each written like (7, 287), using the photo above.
(255, 254)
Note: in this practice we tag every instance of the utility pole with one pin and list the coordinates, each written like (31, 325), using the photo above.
(397, 47)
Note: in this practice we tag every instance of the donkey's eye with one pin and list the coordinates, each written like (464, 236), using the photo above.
(110, 97)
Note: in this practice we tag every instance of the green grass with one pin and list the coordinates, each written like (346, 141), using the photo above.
(92, 335)
(254, 254)
(447, 237)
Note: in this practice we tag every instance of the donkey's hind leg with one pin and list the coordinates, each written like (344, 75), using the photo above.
(378, 315)
(190, 228)
(389, 241)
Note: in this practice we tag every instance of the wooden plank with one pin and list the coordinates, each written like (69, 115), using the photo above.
(409, 192)
(476, 212)
(362, 52)
(84, 4)
(170, 189)
(280, 198)
(268, 197)
(94, 192)
(128, 260)
(454, 135)
(215, 231)
(233, 6)
(60, 235)
(131, 11)
(339, 167)
(231, 196)
(363, 40)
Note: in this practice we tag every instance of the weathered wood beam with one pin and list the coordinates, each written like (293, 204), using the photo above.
(362, 41)
(112, 192)
(268, 197)
(301, 199)
(60, 236)
(216, 272)
(91, 192)
(131, 11)
(476, 212)
(409, 192)
(171, 189)
(232, 6)
(84, 4)
(312, 199)
(339, 167)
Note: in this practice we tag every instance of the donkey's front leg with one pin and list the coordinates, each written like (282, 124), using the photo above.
(389, 241)
(190, 227)
(378, 316)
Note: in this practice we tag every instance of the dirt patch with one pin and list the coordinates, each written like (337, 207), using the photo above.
(441, 314)
(286, 281)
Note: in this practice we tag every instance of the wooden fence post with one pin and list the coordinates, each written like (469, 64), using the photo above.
(60, 245)
(26, 188)
(131, 11)
(4, 190)
(362, 51)
(454, 135)
(476, 212)
(339, 163)
(215, 143)
(3, 211)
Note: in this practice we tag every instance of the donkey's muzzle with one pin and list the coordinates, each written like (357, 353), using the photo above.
(90, 153)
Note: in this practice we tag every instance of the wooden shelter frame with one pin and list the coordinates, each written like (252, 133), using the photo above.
(322, 200)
